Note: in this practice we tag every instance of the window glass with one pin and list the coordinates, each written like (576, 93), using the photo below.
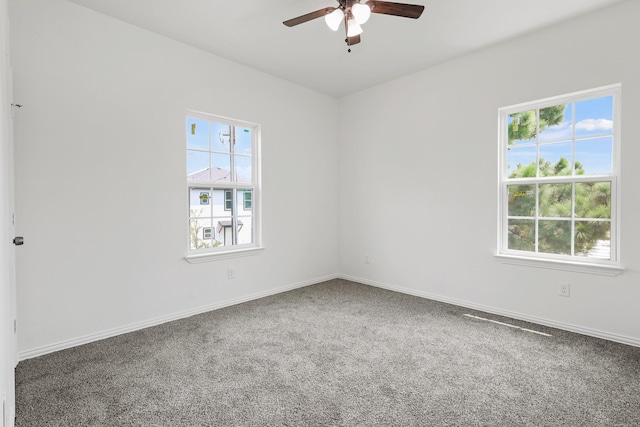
(197, 134)
(243, 141)
(556, 122)
(198, 166)
(522, 127)
(554, 159)
(521, 161)
(594, 116)
(594, 156)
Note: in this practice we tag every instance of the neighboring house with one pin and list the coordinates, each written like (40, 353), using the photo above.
(211, 209)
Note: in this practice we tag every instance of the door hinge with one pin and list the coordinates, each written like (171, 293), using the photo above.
(15, 326)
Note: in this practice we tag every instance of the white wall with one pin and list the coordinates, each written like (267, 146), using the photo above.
(420, 159)
(103, 117)
(7, 297)
(104, 106)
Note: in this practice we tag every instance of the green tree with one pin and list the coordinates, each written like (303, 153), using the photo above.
(195, 229)
(592, 202)
(524, 125)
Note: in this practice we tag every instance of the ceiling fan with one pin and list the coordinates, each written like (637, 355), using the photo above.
(354, 13)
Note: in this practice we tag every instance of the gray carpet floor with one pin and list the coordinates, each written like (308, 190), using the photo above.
(335, 354)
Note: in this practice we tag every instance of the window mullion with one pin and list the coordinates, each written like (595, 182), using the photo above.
(537, 219)
(573, 219)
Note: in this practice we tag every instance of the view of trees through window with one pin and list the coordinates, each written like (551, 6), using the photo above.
(559, 178)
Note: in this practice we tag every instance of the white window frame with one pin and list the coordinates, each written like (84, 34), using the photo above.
(609, 267)
(231, 251)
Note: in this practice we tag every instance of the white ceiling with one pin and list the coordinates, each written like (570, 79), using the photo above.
(251, 32)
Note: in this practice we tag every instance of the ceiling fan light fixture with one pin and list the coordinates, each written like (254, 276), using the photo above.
(334, 19)
(353, 28)
(361, 12)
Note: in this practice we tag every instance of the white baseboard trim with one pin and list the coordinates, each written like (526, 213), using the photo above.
(488, 309)
(40, 351)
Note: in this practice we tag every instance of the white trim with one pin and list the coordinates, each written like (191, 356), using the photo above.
(216, 256)
(40, 351)
(575, 97)
(511, 314)
(553, 264)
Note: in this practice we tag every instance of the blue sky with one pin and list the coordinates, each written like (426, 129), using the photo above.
(213, 139)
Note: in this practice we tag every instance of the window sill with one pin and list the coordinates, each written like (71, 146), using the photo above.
(552, 264)
(216, 256)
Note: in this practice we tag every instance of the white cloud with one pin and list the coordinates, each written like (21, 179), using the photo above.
(594, 124)
(562, 125)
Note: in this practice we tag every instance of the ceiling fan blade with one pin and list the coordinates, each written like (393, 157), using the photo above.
(353, 40)
(396, 9)
(308, 17)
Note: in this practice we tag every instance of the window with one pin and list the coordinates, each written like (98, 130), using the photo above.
(204, 197)
(559, 178)
(228, 200)
(247, 200)
(222, 185)
(207, 233)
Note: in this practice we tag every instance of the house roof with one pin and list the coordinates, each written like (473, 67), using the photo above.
(217, 175)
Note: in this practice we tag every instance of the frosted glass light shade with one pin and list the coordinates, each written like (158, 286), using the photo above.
(334, 19)
(354, 28)
(361, 12)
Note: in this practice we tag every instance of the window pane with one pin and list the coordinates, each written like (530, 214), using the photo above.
(593, 239)
(221, 205)
(197, 166)
(554, 237)
(248, 200)
(555, 123)
(243, 169)
(245, 230)
(198, 229)
(594, 116)
(221, 168)
(243, 141)
(200, 202)
(522, 127)
(521, 162)
(522, 200)
(224, 231)
(594, 156)
(555, 200)
(555, 159)
(228, 200)
(593, 200)
(243, 201)
(197, 133)
(220, 136)
(522, 234)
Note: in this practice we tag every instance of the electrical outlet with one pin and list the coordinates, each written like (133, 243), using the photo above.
(564, 289)
(231, 274)
(366, 259)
